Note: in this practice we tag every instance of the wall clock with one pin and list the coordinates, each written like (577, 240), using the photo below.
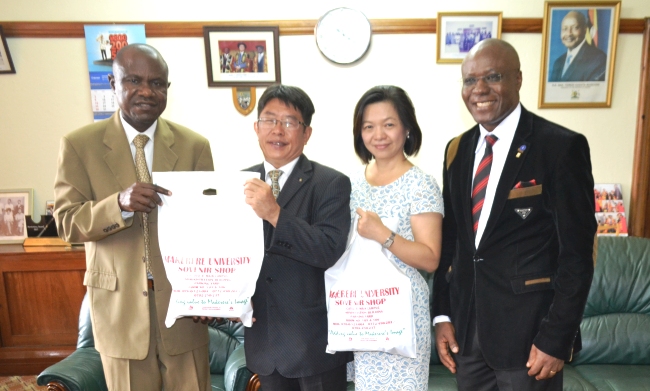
(343, 35)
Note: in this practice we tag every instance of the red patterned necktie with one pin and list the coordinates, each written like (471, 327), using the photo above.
(481, 180)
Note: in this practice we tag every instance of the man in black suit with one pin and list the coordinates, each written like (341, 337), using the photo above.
(516, 263)
(305, 232)
(582, 61)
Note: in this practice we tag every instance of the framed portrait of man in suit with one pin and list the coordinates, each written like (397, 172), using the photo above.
(579, 49)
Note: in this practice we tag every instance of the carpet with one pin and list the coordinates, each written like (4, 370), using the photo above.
(20, 383)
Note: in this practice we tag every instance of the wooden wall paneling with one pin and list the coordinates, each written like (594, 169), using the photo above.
(639, 216)
(287, 27)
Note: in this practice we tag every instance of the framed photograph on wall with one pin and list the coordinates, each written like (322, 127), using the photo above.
(15, 205)
(242, 56)
(458, 32)
(6, 64)
(578, 52)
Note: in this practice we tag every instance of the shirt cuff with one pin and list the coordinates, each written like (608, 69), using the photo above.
(440, 319)
(126, 215)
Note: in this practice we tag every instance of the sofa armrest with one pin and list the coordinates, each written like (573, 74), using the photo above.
(80, 371)
(236, 375)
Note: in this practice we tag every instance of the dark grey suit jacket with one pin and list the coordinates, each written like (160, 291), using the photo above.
(589, 65)
(290, 332)
(528, 280)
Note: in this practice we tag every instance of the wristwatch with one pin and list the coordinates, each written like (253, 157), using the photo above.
(389, 241)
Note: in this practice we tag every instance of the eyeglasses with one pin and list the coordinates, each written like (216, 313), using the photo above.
(270, 123)
(492, 78)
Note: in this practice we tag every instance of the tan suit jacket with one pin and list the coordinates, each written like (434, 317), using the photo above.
(95, 164)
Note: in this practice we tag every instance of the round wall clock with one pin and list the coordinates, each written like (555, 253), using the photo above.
(343, 35)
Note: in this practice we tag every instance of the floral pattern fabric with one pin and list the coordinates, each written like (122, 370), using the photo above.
(413, 193)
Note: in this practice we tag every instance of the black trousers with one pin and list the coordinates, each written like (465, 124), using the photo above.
(332, 380)
(474, 374)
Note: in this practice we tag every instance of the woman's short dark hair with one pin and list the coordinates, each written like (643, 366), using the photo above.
(404, 107)
(290, 96)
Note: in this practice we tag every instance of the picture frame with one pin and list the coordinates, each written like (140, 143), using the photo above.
(242, 70)
(6, 63)
(578, 51)
(458, 32)
(15, 205)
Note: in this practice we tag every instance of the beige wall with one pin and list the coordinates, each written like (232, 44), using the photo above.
(49, 96)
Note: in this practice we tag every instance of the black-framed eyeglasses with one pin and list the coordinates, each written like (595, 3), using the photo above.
(270, 123)
(492, 78)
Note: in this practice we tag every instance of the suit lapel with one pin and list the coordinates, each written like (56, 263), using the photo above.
(164, 159)
(510, 170)
(119, 158)
(300, 175)
(573, 67)
(467, 175)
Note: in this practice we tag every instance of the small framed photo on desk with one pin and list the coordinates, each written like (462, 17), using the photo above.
(15, 204)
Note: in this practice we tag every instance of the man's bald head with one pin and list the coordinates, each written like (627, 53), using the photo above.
(574, 29)
(491, 82)
(128, 53)
(140, 83)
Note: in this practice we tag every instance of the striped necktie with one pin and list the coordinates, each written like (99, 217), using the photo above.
(481, 180)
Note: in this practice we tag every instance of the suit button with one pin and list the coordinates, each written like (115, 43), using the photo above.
(269, 280)
(144, 293)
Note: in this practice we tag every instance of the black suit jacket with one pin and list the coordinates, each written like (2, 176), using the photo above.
(589, 65)
(290, 332)
(528, 280)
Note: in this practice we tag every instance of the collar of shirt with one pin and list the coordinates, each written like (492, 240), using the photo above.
(505, 131)
(131, 133)
(573, 52)
(286, 171)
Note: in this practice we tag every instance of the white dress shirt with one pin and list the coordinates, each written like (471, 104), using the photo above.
(505, 132)
(286, 171)
(131, 134)
(571, 53)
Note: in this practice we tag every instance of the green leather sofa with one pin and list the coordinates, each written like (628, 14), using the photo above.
(615, 330)
(82, 370)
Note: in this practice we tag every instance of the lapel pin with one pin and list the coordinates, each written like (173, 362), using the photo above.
(520, 151)
(523, 213)
(300, 180)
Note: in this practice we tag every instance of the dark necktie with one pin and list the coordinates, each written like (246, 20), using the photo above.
(481, 180)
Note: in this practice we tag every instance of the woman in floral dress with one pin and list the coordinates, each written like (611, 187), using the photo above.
(386, 133)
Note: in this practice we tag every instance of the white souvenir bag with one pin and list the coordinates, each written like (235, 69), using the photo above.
(369, 300)
(212, 245)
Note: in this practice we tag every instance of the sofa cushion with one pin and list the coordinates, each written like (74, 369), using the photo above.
(85, 337)
(616, 377)
(573, 381)
(622, 277)
(217, 383)
(224, 338)
(615, 339)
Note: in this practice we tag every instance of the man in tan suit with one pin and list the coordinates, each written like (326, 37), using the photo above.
(100, 201)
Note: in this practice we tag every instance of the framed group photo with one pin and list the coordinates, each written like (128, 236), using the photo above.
(579, 49)
(458, 32)
(15, 205)
(6, 64)
(242, 56)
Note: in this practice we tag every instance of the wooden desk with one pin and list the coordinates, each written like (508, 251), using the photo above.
(41, 289)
